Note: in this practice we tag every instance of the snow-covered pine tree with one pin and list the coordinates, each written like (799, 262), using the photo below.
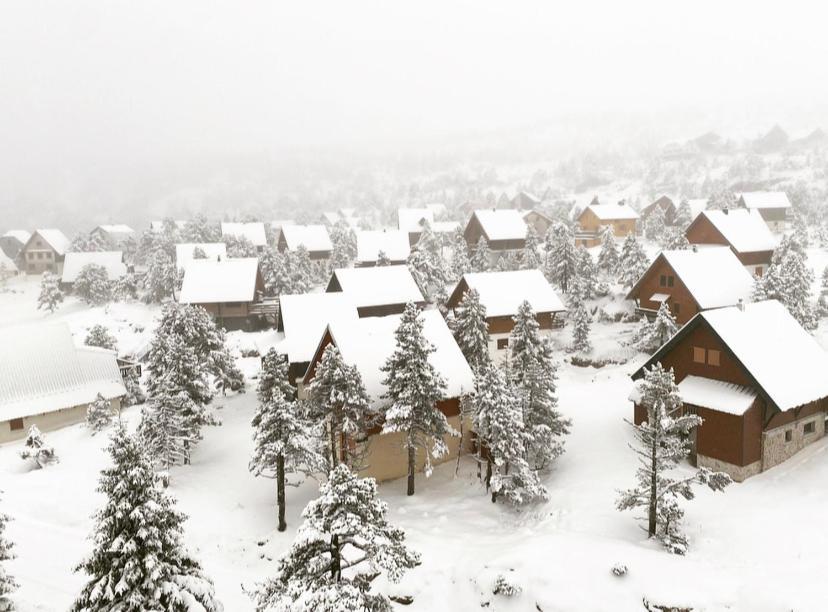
(139, 561)
(663, 327)
(525, 342)
(275, 273)
(167, 431)
(471, 330)
(98, 335)
(608, 257)
(662, 442)
(481, 257)
(789, 279)
(582, 322)
(414, 387)
(822, 301)
(239, 246)
(675, 240)
(654, 225)
(343, 545)
(125, 287)
(531, 259)
(428, 270)
(161, 280)
(460, 262)
(634, 261)
(343, 242)
(382, 258)
(199, 229)
(723, 199)
(300, 270)
(7, 581)
(199, 253)
(340, 410)
(502, 439)
(226, 373)
(586, 285)
(684, 216)
(561, 262)
(99, 414)
(274, 378)
(50, 293)
(92, 285)
(36, 449)
(134, 393)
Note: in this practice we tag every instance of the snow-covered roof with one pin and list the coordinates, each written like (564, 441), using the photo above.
(696, 206)
(445, 227)
(158, 226)
(21, 236)
(254, 232)
(6, 264)
(437, 208)
(379, 285)
(411, 219)
(716, 394)
(368, 343)
(394, 243)
(111, 261)
(502, 223)
(610, 212)
(503, 292)
(211, 282)
(314, 237)
(46, 371)
(745, 230)
(714, 276)
(280, 223)
(184, 252)
(118, 228)
(765, 199)
(330, 217)
(305, 318)
(55, 239)
(783, 358)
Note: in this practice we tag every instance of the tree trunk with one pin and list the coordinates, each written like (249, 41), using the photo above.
(336, 561)
(334, 457)
(412, 456)
(488, 472)
(651, 523)
(280, 490)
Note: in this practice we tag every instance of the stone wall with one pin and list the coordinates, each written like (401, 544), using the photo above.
(736, 472)
(776, 448)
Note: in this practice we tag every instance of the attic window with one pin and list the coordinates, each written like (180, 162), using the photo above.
(698, 354)
(713, 357)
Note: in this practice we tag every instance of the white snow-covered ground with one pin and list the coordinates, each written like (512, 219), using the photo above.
(758, 546)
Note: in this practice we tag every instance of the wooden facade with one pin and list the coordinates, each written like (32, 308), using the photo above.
(702, 231)
(282, 245)
(661, 278)
(666, 204)
(590, 228)
(474, 230)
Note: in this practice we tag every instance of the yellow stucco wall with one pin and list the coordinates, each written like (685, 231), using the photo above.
(50, 421)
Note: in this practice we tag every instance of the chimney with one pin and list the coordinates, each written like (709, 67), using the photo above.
(741, 305)
(695, 248)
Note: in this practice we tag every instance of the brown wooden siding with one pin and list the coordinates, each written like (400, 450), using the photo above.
(681, 301)
(589, 222)
(702, 231)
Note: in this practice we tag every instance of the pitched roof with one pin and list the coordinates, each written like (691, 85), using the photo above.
(716, 394)
(21, 236)
(501, 223)
(368, 343)
(46, 371)
(502, 293)
(696, 206)
(117, 229)
(254, 232)
(55, 238)
(611, 212)
(305, 317)
(379, 285)
(314, 237)
(411, 219)
(445, 227)
(765, 199)
(111, 261)
(157, 226)
(211, 282)
(394, 243)
(6, 264)
(745, 230)
(184, 252)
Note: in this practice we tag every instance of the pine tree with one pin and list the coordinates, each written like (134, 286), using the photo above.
(139, 562)
(481, 257)
(36, 449)
(531, 259)
(7, 581)
(684, 216)
(300, 270)
(274, 378)
(199, 229)
(343, 545)
(585, 285)
(50, 293)
(161, 280)
(134, 393)
(92, 285)
(98, 335)
(675, 240)
(664, 327)
(654, 225)
(723, 199)
(789, 279)
(634, 261)
(471, 330)
(226, 374)
(239, 246)
(525, 342)
(581, 328)
(166, 431)
(460, 262)
(662, 442)
(608, 258)
(499, 425)
(99, 414)
(822, 302)
(275, 273)
(414, 388)
(562, 260)
(428, 270)
(382, 258)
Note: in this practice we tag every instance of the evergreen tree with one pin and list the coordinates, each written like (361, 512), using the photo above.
(664, 327)
(525, 342)
(662, 442)
(98, 335)
(239, 246)
(343, 545)
(87, 243)
(724, 199)
(300, 270)
(7, 581)
(99, 414)
(684, 216)
(92, 285)
(822, 302)
(481, 257)
(429, 271)
(460, 262)
(275, 273)
(167, 432)
(134, 393)
(139, 562)
(126, 287)
(36, 449)
(344, 243)
(608, 258)
(580, 329)
(414, 388)
(199, 229)
(585, 285)
(471, 330)
(274, 379)
(50, 293)
(655, 225)
(789, 279)
(634, 261)
(562, 261)
(531, 259)
(675, 240)
(382, 258)
(161, 280)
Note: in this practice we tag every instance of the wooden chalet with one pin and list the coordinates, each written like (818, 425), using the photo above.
(666, 204)
(596, 217)
(13, 241)
(744, 231)
(314, 238)
(253, 232)
(111, 261)
(367, 344)
(115, 236)
(377, 291)
(44, 252)
(756, 377)
(503, 229)
(394, 244)
(525, 201)
(690, 281)
(412, 221)
(772, 205)
(538, 221)
(502, 293)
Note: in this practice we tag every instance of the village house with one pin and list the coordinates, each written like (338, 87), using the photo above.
(525, 201)
(184, 252)
(277, 225)
(503, 229)
(367, 344)
(7, 267)
(111, 261)
(49, 382)
(393, 243)
(692, 280)
(377, 291)
(744, 231)
(13, 241)
(596, 217)
(44, 252)
(502, 293)
(230, 290)
(666, 204)
(538, 221)
(343, 215)
(756, 378)
(315, 239)
(158, 226)
(115, 236)
(772, 205)
(253, 232)
(412, 221)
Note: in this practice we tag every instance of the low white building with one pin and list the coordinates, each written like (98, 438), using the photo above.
(393, 243)
(111, 261)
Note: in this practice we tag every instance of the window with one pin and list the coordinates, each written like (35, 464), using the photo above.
(16, 424)
(662, 280)
(713, 357)
(39, 255)
(502, 343)
(670, 281)
(676, 308)
(810, 427)
(759, 271)
(698, 354)
(30, 255)
(789, 435)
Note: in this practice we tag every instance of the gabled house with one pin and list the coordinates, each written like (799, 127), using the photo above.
(315, 239)
(378, 291)
(744, 231)
(412, 220)
(254, 232)
(7, 267)
(111, 261)
(48, 381)
(13, 241)
(503, 229)
(772, 205)
(525, 201)
(502, 293)
(596, 217)
(276, 227)
(185, 252)
(44, 252)
(116, 236)
(538, 221)
(366, 345)
(756, 378)
(230, 290)
(393, 243)
(690, 281)
(666, 204)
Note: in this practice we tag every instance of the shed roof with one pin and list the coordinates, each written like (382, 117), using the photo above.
(394, 243)
(254, 232)
(314, 237)
(716, 394)
(111, 261)
(502, 293)
(118, 228)
(212, 282)
(379, 285)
